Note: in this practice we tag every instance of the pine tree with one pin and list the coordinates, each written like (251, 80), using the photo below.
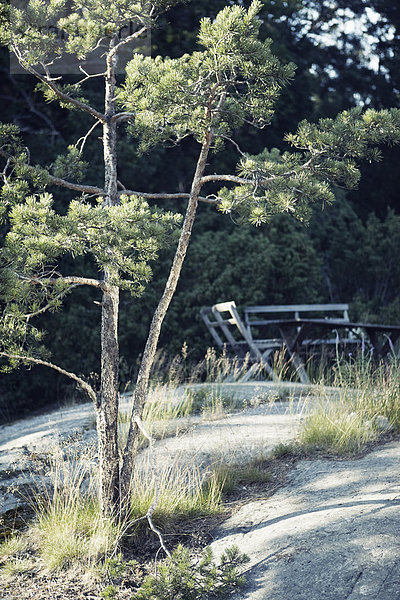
(231, 80)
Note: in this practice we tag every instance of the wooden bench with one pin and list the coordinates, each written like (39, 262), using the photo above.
(265, 316)
(229, 332)
(281, 320)
(240, 338)
(295, 328)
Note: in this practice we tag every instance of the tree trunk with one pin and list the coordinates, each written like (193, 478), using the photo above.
(132, 443)
(107, 413)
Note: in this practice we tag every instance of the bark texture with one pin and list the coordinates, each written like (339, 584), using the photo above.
(107, 412)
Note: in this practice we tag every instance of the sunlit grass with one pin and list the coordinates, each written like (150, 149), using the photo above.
(67, 534)
(67, 527)
(178, 491)
(13, 546)
(367, 406)
(228, 477)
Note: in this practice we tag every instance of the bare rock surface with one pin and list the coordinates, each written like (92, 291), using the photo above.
(201, 442)
(332, 533)
(34, 436)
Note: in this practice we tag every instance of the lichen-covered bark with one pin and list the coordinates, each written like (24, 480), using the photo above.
(107, 412)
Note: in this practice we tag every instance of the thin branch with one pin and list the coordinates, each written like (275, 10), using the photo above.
(4, 172)
(37, 361)
(85, 137)
(123, 116)
(151, 510)
(81, 105)
(73, 280)
(225, 137)
(262, 180)
(87, 75)
(143, 431)
(231, 179)
(49, 305)
(177, 196)
(47, 81)
(158, 533)
(85, 189)
(128, 39)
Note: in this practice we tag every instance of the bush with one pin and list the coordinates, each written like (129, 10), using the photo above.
(179, 579)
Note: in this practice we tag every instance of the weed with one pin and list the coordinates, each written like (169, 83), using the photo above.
(14, 546)
(110, 592)
(282, 450)
(17, 566)
(212, 402)
(334, 428)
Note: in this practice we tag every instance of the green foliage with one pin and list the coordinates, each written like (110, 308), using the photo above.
(268, 265)
(109, 592)
(27, 32)
(236, 78)
(32, 32)
(358, 260)
(116, 571)
(69, 90)
(70, 165)
(291, 182)
(171, 97)
(122, 238)
(19, 178)
(178, 578)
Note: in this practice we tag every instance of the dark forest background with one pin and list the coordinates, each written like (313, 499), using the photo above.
(348, 253)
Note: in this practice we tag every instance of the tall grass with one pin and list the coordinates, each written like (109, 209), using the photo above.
(367, 406)
(177, 491)
(68, 526)
(68, 529)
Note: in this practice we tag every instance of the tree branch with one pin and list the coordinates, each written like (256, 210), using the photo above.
(42, 310)
(87, 76)
(81, 105)
(226, 137)
(78, 187)
(177, 196)
(37, 361)
(127, 40)
(261, 180)
(75, 281)
(84, 138)
(123, 116)
(85, 189)
(231, 179)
